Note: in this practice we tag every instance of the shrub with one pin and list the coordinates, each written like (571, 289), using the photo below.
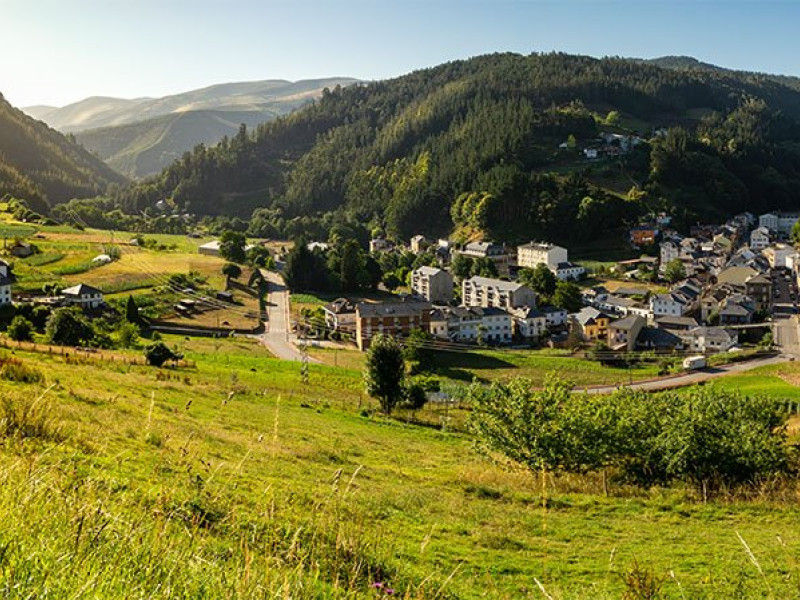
(20, 330)
(12, 369)
(27, 418)
(159, 353)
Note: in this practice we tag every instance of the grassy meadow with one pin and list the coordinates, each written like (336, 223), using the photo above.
(230, 479)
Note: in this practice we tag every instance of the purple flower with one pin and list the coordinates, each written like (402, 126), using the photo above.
(378, 585)
(389, 591)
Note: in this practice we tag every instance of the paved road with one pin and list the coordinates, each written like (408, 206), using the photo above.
(278, 337)
(693, 377)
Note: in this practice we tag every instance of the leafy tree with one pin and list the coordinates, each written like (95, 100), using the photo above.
(159, 353)
(259, 256)
(414, 396)
(20, 329)
(417, 350)
(384, 372)
(796, 233)
(231, 246)
(568, 296)
(461, 267)
(674, 271)
(351, 267)
(128, 335)
(540, 279)
(231, 270)
(68, 326)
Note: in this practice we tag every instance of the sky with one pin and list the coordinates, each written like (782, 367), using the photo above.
(60, 51)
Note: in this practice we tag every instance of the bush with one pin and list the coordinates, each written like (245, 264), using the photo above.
(159, 353)
(20, 330)
(706, 437)
(26, 418)
(69, 327)
(12, 369)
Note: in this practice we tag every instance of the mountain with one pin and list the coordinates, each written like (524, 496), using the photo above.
(43, 166)
(689, 62)
(143, 148)
(140, 137)
(476, 143)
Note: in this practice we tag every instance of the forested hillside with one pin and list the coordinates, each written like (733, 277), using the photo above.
(400, 153)
(44, 167)
(147, 147)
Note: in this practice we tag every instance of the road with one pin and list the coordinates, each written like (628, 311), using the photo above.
(692, 377)
(278, 337)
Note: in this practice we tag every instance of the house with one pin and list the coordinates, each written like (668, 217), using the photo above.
(224, 296)
(529, 322)
(432, 284)
(668, 304)
(340, 315)
(83, 295)
(7, 279)
(555, 318)
(672, 323)
(590, 153)
(419, 243)
(495, 252)
(592, 323)
(623, 333)
(736, 276)
(643, 235)
(567, 271)
(736, 313)
(759, 238)
(708, 340)
(487, 292)
(779, 222)
(659, 340)
(380, 245)
(759, 288)
(396, 319)
(535, 253)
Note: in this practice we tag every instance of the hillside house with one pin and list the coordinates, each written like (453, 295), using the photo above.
(529, 322)
(471, 324)
(532, 254)
(419, 244)
(779, 222)
(591, 323)
(83, 295)
(760, 238)
(643, 235)
(497, 253)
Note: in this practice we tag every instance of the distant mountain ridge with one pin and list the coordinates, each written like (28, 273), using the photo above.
(45, 167)
(691, 63)
(141, 136)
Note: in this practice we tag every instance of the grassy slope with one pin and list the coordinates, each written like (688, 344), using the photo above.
(173, 489)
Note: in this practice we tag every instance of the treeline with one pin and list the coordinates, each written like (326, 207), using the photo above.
(45, 167)
(398, 153)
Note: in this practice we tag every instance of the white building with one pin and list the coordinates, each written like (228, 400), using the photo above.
(777, 255)
(759, 238)
(567, 271)
(668, 251)
(708, 340)
(779, 222)
(470, 324)
(554, 317)
(535, 253)
(6, 280)
(488, 292)
(83, 295)
(529, 323)
(669, 304)
(433, 284)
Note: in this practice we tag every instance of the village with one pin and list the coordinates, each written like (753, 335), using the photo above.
(711, 292)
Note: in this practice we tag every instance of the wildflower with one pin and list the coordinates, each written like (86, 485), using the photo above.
(378, 585)
(389, 591)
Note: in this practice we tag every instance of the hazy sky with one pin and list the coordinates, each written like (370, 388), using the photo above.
(60, 51)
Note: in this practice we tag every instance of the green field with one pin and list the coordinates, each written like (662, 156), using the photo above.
(231, 479)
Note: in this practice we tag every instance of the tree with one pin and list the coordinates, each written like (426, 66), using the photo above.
(231, 246)
(159, 353)
(414, 396)
(674, 271)
(128, 335)
(259, 256)
(384, 372)
(568, 296)
(231, 270)
(540, 279)
(20, 329)
(796, 233)
(417, 350)
(461, 267)
(131, 311)
(68, 327)
(351, 266)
